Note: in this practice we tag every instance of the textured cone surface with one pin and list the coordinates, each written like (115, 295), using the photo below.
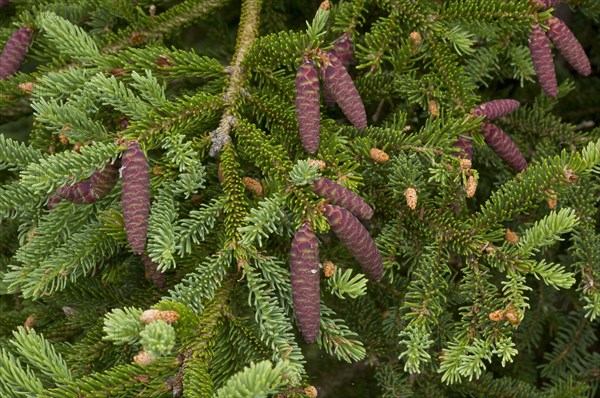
(357, 239)
(501, 143)
(135, 196)
(307, 105)
(342, 196)
(151, 272)
(340, 84)
(104, 180)
(343, 49)
(541, 55)
(568, 45)
(465, 147)
(80, 192)
(497, 108)
(14, 52)
(91, 190)
(304, 264)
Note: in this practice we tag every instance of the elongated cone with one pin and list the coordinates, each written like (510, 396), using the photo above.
(104, 180)
(497, 108)
(344, 50)
(135, 196)
(80, 192)
(91, 190)
(342, 88)
(307, 105)
(568, 45)
(541, 55)
(465, 147)
(357, 239)
(14, 52)
(304, 274)
(151, 272)
(501, 143)
(342, 196)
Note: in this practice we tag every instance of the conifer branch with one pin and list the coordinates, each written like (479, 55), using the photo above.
(247, 33)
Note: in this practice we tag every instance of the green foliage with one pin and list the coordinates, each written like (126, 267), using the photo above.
(207, 89)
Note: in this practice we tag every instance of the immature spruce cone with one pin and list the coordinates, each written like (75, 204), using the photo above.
(465, 147)
(135, 196)
(304, 275)
(497, 108)
(104, 180)
(343, 49)
(14, 52)
(541, 55)
(568, 45)
(357, 239)
(80, 192)
(342, 196)
(342, 88)
(151, 272)
(52, 200)
(93, 189)
(501, 143)
(307, 105)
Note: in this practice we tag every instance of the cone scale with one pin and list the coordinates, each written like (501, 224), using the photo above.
(357, 239)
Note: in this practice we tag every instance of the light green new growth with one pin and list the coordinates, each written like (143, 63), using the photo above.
(158, 338)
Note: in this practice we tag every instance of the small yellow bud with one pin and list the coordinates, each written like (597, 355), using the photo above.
(253, 185)
(321, 165)
(169, 316)
(411, 198)
(29, 322)
(26, 87)
(433, 108)
(144, 358)
(511, 237)
(471, 186)
(465, 164)
(150, 316)
(415, 40)
(311, 392)
(512, 315)
(378, 155)
(328, 269)
(496, 316)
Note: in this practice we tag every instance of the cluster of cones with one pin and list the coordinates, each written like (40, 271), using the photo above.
(494, 136)
(341, 215)
(338, 87)
(564, 40)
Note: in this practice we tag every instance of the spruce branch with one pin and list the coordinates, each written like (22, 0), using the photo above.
(16, 378)
(41, 354)
(247, 33)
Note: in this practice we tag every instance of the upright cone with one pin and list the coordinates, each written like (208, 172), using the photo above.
(305, 275)
(135, 196)
(541, 55)
(307, 105)
(14, 52)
